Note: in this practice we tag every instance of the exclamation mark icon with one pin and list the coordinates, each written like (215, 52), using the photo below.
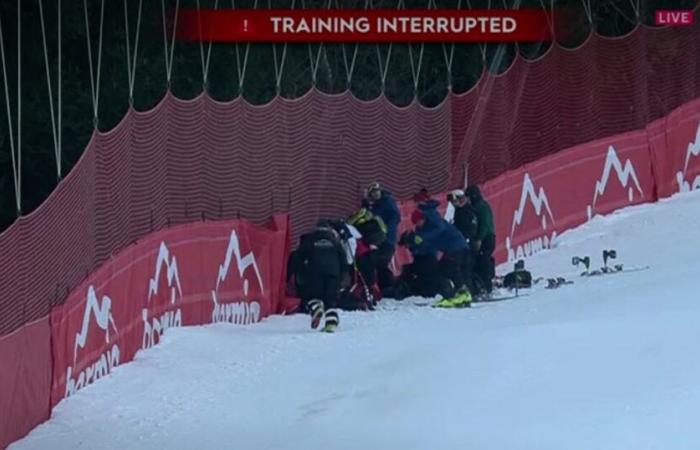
(245, 25)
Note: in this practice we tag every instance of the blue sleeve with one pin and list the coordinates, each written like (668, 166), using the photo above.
(392, 220)
(432, 232)
(421, 249)
(424, 248)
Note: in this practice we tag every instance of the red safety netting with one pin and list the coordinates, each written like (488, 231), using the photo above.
(186, 161)
(568, 97)
(200, 159)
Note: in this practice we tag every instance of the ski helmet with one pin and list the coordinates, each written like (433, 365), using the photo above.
(455, 194)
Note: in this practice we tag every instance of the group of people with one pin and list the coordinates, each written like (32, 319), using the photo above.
(346, 264)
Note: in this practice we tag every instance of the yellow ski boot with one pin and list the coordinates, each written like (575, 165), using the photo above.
(463, 299)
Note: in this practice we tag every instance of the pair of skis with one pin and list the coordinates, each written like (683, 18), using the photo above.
(477, 299)
(553, 283)
(608, 254)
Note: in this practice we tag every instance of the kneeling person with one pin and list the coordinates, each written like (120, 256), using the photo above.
(421, 277)
(326, 263)
(435, 233)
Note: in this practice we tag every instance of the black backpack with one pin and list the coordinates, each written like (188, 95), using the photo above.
(518, 278)
(370, 226)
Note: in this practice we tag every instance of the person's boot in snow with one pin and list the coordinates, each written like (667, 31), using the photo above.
(316, 311)
(462, 299)
(332, 321)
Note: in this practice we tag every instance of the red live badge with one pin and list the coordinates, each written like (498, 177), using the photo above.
(674, 17)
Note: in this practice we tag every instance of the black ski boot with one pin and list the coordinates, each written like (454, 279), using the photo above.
(332, 321)
(316, 311)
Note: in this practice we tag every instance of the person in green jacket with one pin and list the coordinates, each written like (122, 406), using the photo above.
(484, 242)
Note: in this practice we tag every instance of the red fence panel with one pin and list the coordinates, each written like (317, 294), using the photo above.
(187, 275)
(536, 203)
(675, 149)
(25, 378)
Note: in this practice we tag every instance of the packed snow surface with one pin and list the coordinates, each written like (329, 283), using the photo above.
(609, 362)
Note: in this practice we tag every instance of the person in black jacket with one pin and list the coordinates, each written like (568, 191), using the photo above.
(297, 273)
(325, 261)
(484, 242)
(464, 217)
(465, 220)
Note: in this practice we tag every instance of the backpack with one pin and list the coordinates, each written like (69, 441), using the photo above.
(371, 227)
(518, 278)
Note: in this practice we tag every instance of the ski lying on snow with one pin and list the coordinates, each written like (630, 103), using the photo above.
(501, 298)
(597, 273)
(483, 300)
(552, 283)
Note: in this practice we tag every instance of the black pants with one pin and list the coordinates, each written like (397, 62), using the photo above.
(451, 268)
(323, 287)
(385, 276)
(485, 264)
(459, 267)
(423, 276)
(367, 265)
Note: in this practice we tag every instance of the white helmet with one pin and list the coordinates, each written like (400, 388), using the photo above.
(374, 187)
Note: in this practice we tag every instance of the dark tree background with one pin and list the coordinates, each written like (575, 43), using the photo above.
(39, 170)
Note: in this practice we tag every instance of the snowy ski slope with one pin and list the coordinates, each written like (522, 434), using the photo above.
(609, 362)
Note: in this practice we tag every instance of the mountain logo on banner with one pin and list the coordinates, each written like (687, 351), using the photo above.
(539, 201)
(101, 310)
(154, 327)
(693, 152)
(241, 312)
(623, 173)
(170, 265)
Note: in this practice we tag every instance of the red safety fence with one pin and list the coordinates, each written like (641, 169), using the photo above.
(207, 272)
(25, 377)
(233, 271)
(185, 161)
(569, 97)
(675, 150)
(535, 203)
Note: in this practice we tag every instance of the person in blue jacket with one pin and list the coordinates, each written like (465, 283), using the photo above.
(421, 276)
(434, 234)
(380, 202)
(427, 205)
